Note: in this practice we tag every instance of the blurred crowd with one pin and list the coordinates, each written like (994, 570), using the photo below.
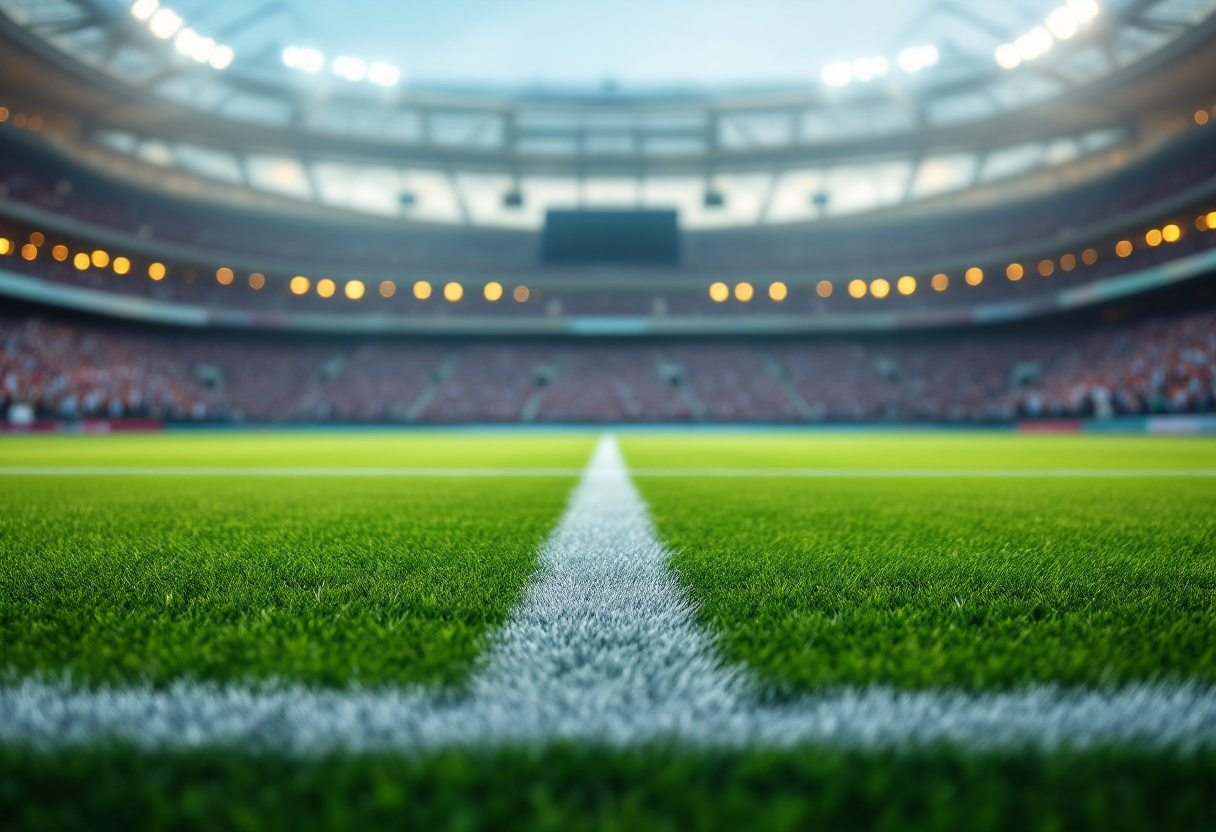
(72, 371)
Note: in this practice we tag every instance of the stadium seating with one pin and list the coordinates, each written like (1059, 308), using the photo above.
(73, 370)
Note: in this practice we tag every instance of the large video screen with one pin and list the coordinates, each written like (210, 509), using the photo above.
(611, 238)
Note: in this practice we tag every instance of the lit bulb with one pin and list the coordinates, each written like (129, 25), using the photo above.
(144, 9)
(1007, 55)
(1062, 23)
(222, 57)
(165, 23)
(383, 75)
(837, 74)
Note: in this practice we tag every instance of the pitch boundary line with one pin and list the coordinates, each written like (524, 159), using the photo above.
(307, 721)
(235, 471)
(800, 473)
(830, 473)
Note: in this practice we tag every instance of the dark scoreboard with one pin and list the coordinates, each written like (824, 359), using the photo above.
(611, 238)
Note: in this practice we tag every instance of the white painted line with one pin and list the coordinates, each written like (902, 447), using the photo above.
(309, 721)
(811, 473)
(603, 648)
(828, 473)
(235, 471)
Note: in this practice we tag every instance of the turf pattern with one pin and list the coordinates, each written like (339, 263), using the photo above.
(984, 584)
(325, 581)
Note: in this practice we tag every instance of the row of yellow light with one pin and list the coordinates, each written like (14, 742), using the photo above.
(300, 285)
(422, 289)
(81, 260)
(907, 284)
(21, 121)
(1166, 234)
(879, 288)
(719, 292)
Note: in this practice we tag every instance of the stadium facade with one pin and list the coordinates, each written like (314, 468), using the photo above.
(974, 242)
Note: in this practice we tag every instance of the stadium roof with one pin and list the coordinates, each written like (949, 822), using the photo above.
(735, 113)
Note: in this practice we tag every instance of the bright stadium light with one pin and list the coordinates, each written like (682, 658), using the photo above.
(222, 57)
(837, 74)
(303, 59)
(1062, 23)
(843, 73)
(383, 75)
(916, 58)
(1007, 56)
(203, 50)
(352, 69)
(1035, 43)
(165, 23)
(186, 40)
(867, 69)
(142, 10)
(1084, 10)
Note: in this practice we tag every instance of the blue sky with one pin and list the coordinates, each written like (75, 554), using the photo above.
(634, 43)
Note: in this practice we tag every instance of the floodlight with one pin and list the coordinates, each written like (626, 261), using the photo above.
(837, 74)
(1084, 10)
(165, 23)
(1007, 55)
(203, 50)
(144, 9)
(222, 57)
(303, 59)
(383, 75)
(916, 58)
(186, 40)
(352, 69)
(867, 69)
(1034, 43)
(1062, 23)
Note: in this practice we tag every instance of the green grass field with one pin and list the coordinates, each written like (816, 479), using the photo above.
(972, 582)
(926, 582)
(331, 581)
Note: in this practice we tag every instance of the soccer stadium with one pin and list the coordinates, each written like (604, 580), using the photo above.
(646, 415)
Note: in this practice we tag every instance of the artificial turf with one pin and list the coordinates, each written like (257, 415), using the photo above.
(292, 448)
(328, 581)
(641, 789)
(862, 449)
(974, 582)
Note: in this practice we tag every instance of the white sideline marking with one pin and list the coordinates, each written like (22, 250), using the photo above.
(236, 471)
(923, 472)
(603, 648)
